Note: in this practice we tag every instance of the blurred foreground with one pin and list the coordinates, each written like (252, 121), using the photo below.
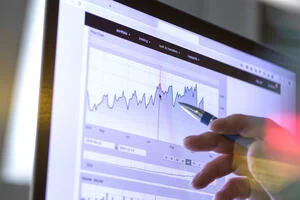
(275, 23)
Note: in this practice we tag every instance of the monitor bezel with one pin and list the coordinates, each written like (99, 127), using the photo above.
(156, 9)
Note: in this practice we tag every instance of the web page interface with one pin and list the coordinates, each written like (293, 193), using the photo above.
(117, 128)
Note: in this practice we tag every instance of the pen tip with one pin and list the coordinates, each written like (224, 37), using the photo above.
(185, 106)
(182, 104)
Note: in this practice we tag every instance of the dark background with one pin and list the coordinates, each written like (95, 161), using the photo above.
(273, 26)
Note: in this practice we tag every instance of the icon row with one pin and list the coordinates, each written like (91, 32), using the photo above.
(266, 74)
(183, 161)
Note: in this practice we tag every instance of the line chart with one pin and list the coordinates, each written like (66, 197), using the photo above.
(159, 94)
(129, 96)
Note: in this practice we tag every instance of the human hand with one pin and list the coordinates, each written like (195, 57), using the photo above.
(262, 169)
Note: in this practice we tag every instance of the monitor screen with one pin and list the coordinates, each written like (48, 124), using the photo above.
(117, 129)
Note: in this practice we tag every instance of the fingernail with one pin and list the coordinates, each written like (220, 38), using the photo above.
(188, 137)
(197, 183)
(185, 140)
(213, 125)
(217, 124)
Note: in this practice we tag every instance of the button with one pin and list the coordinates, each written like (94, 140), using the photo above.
(188, 162)
(182, 161)
(171, 158)
(177, 160)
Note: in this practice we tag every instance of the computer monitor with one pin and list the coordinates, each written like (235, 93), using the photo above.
(110, 126)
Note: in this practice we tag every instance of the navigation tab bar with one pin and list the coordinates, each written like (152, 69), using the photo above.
(177, 51)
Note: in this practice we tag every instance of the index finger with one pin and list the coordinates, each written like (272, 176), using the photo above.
(236, 124)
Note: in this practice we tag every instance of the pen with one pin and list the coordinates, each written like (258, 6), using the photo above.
(207, 118)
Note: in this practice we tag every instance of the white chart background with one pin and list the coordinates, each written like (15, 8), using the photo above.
(114, 76)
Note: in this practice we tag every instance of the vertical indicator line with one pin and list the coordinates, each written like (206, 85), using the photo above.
(159, 101)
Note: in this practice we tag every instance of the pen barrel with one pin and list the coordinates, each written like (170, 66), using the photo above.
(207, 118)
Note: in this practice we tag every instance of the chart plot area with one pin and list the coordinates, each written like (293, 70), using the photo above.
(132, 97)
